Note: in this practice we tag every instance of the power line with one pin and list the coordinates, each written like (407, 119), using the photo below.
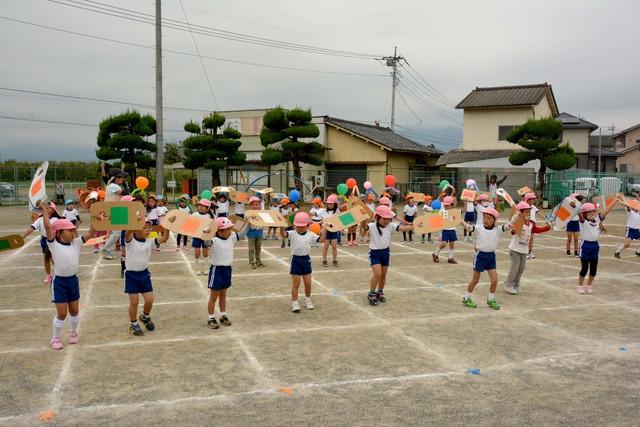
(427, 99)
(429, 86)
(424, 89)
(177, 52)
(428, 105)
(60, 122)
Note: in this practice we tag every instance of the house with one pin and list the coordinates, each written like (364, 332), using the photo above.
(627, 144)
(601, 147)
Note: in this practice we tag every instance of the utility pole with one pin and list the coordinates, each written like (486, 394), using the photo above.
(392, 61)
(159, 120)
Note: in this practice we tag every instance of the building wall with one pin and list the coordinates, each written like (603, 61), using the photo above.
(543, 109)
(346, 148)
(628, 140)
(578, 139)
(631, 158)
(497, 163)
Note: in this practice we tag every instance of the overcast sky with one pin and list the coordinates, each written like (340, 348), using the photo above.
(588, 51)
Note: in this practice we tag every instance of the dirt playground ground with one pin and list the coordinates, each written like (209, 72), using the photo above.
(548, 357)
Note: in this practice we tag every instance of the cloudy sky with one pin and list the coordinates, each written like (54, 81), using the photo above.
(586, 49)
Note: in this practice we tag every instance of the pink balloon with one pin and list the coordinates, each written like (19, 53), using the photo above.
(367, 185)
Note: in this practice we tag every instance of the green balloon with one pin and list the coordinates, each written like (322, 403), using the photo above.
(443, 183)
(342, 189)
(206, 194)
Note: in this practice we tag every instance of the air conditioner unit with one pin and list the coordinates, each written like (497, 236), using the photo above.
(317, 181)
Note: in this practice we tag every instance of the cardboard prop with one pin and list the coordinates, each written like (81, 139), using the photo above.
(266, 218)
(109, 216)
(357, 202)
(219, 189)
(563, 214)
(238, 223)
(38, 189)
(436, 221)
(503, 193)
(12, 241)
(628, 202)
(347, 219)
(417, 197)
(518, 223)
(96, 240)
(240, 197)
(604, 202)
(181, 222)
(468, 195)
(524, 190)
(264, 191)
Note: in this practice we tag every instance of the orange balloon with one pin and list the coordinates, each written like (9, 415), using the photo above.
(390, 181)
(351, 182)
(142, 182)
(315, 228)
(102, 194)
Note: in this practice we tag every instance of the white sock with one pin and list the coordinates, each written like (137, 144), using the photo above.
(467, 295)
(57, 326)
(75, 320)
(438, 250)
(450, 251)
(223, 313)
(620, 248)
(212, 316)
(491, 297)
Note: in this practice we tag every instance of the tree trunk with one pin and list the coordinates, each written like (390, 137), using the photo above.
(540, 186)
(215, 177)
(298, 174)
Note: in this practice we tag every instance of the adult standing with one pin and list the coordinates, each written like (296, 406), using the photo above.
(59, 193)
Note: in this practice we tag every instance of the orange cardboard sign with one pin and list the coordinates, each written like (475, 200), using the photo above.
(437, 220)
(417, 197)
(96, 240)
(38, 189)
(182, 222)
(468, 195)
(563, 214)
(524, 190)
(503, 193)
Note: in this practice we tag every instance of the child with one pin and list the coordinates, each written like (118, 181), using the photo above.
(589, 249)
(519, 247)
(448, 235)
(223, 206)
(254, 237)
(162, 208)
(470, 217)
(371, 204)
(427, 208)
(137, 279)
(633, 230)
(492, 187)
(573, 226)
(331, 236)
(380, 235)
(238, 208)
(530, 198)
(220, 270)
(38, 225)
(65, 290)
(152, 209)
(301, 239)
(287, 207)
(317, 212)
(184, 207)
(274, 206)
(410, 211)
(196, 243)
(485, 256)
(71, 213)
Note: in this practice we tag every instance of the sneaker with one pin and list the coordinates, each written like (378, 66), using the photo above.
(452, 261)
(588, 289)
(469, 302)
(581, 290)
(325, 263)
(616, 255)
(373, 298)
(135, 330)
(569, 253)
(380, 296)
(56, 343)
(576, 253)
(225, 321)
(493, 304)
(282, 245)
(73, 337)
(435, 257)
(107, 254)
(510, 289)
(252, 265)
(335, 263)
(147, 322)
(259, 264)
(213, 323)
(295, 306)
(47, 279)
(530, 255)
(308, 304)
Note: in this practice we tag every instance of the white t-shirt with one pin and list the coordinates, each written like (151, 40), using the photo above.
(576, 217)
(493, 189)
(185, 209)
(371, 206)
(152, 214)
(633, 219)
(533, 213)
(317, 214)
(38, 225)
(479, 211)
(222, 250)
(301, 243)
(238, 208)
(381, 240)
(521, 244)
(470, 207)
(201, 215)
(113, 191)
(427, 208)
(65, 256)
(223, 207)
(487, 239)
(138, 253)
(410, 210)
(71, 215)
(162, 210)
(590, 231)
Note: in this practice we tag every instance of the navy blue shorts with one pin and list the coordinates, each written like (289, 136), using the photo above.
(449, 236)
(122, 233)
(633, 234)
(470, 217)
(300, 265)
(379, 256)
(154, 221)
(44, 246)
(65, 289)
(219, 277)
(223, 214)
(483, 261)
(137, 282)
(333, 235)
(409, 218)
(74, 221)
(197, 243)
(573, 226)
(589, 250)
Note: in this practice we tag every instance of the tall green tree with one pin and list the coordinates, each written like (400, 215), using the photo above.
(124, 137)
(212, 147)
(281, 137)
(541, 140)
(172, 153)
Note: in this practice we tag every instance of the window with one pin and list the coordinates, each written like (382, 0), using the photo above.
(503, 131)
(626, 168)
(637, 141)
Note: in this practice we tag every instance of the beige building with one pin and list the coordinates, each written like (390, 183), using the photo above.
(627, 143)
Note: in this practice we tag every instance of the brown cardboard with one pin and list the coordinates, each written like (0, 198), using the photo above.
(101, 218)
(12, 241)
(436, 221)
(181, 222)
(266, 218)
(344, 220)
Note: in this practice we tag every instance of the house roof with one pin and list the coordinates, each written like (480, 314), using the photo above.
(572, 122)
(604, 152)
(629, 149)
(463, 156)
(623, 132)
(509, 96)
(382, 136)
(607, 141)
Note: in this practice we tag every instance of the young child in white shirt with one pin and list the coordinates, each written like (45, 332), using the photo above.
(590, 227)
(410, 211)
(632, 232)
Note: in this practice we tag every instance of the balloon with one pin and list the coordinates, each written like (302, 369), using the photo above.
(443, 183)
(102, 194)
(390, 181)
(351, 182)
(294, 195)
(367, 185)
(206, 194)
(315, 228)
(142, 182)
(342, 189)
(436, 205)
